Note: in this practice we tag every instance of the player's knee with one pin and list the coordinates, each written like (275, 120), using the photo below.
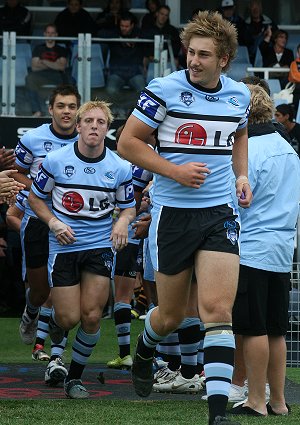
(171, 323)
(67, 321)
(90, 319)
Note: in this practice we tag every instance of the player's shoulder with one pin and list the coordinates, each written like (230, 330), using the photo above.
(36, 133)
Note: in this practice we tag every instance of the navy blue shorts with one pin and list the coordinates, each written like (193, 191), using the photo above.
(36, 243)
(65, 269)
(177, 233)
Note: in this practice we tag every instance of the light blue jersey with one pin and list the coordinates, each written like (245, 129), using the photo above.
(85, 192)
(33, 147)
(194, 125)
(21, 204)
(268, 227)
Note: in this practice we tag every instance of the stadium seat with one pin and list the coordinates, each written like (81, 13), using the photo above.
(274, 85)
(23, 50)
(238, 70)
(21, 71)
(258, 62)
(97, 65)
(242, 55)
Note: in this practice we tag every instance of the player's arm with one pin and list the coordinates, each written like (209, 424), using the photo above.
(119, 234)
(131, 146)
(63, 233)
(14, 217)
(240, 167)
(22, 177)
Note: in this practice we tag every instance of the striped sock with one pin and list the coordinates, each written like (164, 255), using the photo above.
(122, 315)
(83, 346)
(43, 327)
(189, 337)
(219, 347)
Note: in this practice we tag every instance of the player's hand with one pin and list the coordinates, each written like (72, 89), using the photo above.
(119, 234)
(191, 174)
(243, 192)
(142, 227)
(63, 233)
(9, 187)
(7, 158)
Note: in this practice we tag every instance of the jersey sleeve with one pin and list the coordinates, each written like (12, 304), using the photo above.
(151, 106)
(140, 178)
(24, 156)
(44, 180)
(125, 192)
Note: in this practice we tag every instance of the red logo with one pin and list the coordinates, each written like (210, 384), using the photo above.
(191, 134)
(72, 201)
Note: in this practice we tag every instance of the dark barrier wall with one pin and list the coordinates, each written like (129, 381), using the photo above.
(13, 128)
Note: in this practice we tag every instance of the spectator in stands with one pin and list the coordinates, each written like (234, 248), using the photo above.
(228, 11)
(148, 20)
(275, 54)
(256, 25)
(294, 77)
(285, 114)
(126, 59)
(162, 27)
(74, 19)
(48, 66)
(14, 17)
(109, 18)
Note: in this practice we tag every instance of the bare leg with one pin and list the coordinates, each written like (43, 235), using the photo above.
(276, 373)
(239, 371)
(256, 355)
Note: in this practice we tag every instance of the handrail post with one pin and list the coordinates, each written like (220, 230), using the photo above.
(5, 76)
(12, 68)
(80, 84)
(87, 67)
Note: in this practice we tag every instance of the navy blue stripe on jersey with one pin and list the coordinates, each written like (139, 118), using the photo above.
(148, 115)
(221, 118)
(87, 187)
(82, 217)
(198, 150)
(21, 145)
(125, 202)
(155, 97)
(126, 182)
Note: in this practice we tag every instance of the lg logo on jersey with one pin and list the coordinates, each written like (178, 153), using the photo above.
(192, 133)
(73, 202)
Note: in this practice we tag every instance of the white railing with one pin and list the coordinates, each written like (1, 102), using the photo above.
(293, 336)
(267, 71)
(84, 41)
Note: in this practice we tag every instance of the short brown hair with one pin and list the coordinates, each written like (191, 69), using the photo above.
(212, 25)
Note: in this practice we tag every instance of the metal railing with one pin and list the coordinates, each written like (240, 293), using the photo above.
(293, 335)
(162, 57)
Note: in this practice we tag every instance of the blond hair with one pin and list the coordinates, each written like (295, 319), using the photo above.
(261, 105)
(93, 104)
(212, 25)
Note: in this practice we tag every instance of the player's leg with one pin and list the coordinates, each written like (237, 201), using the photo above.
(36, 249)
(94, 295)
(217, 277)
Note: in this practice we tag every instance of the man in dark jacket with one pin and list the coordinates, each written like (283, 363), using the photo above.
(14, 17)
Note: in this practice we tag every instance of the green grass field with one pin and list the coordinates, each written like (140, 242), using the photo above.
(103, 412)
